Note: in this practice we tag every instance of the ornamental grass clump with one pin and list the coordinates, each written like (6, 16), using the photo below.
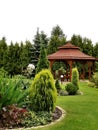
(73, 87)
(43, 92)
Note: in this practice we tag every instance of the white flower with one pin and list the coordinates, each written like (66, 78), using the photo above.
(30, 68)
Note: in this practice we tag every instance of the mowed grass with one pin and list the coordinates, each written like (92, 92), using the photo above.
(81, 111)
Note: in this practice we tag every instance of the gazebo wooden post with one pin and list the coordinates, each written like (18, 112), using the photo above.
(93, 67)
(83, 67)
(89, 69)
(84, 71)
(70, 62)
(51, 63)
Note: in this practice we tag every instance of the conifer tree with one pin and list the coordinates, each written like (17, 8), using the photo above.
(42, 92)
(3, 52)
(43, 62)
(35, 50)
(57, 39)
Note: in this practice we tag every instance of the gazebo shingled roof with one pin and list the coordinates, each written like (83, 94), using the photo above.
(69, 51)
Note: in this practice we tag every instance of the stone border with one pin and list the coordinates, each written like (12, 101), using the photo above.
(52, 123)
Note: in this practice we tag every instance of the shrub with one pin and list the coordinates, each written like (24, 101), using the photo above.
(19, 77)
(63, 93)
(3, 73)
(57, 85)
(71, 89)
(37, 118)
(12, 116)
(75, 77)
(43, 92)
(91, 84)
(95, 79)
(11, 92)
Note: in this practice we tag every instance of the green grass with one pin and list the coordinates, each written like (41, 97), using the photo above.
(82, 111)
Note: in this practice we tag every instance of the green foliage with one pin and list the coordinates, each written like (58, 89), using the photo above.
(59, 65)
(82, 111)
(43, 92)
(12, 92)
(37, 118)
(3, 73)
(25, 55)
(63, 92)
(96, 66)
(13, 56)
(43, 62)
(40, 38)
(44, 39)
(57, 85)
(85, 44)
(95, 79)
(75, 77)
(3, 52)
(96, 50)
(19, 76)
(57, 39)
(91, 84)
(73, 87)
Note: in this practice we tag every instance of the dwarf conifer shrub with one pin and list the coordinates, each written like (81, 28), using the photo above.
(75, 77)
(57, 85)
(43, 62)
(73, 87)
(43, 92)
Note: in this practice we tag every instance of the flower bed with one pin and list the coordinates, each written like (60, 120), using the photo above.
(15, 122)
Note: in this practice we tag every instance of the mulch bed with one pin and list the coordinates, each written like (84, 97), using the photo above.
(55, 116)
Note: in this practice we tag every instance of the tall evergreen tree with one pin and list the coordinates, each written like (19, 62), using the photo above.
(40, 38)
(88, 46)
(57, 39)
(25, 56)
(77, 40)
(16, 59)
(28, 46)
(44, 38)
(35, 50)
(57, 31)
(43, 62)
(85, 44)
(3, 51)
(96, 50)
(10, 60)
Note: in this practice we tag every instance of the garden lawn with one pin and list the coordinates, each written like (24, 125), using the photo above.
(82, 111)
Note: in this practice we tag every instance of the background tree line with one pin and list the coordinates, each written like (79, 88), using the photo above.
(15, 57)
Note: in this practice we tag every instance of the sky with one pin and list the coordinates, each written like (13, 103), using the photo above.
(19, 19)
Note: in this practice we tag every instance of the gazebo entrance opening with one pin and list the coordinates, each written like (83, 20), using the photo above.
(64, 72)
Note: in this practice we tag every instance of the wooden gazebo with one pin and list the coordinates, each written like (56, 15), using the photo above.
(69, 54)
